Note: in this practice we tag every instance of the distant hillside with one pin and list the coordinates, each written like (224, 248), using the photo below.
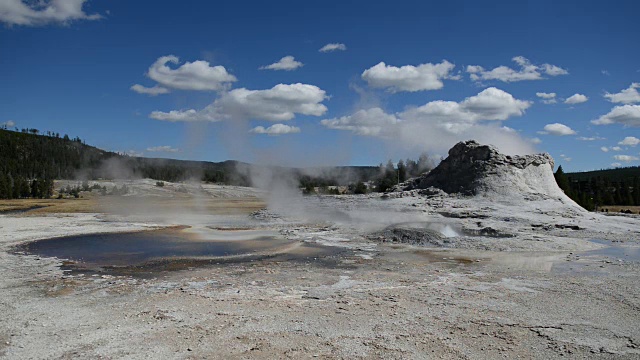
(26, 155)
(620, 186)
(617, 174)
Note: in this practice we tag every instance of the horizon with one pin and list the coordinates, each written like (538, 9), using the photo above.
(331, 85)
(381, 163)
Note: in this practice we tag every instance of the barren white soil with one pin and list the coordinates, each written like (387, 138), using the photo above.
(467, 277)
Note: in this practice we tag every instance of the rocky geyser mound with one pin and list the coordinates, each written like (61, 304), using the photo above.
(474, 169)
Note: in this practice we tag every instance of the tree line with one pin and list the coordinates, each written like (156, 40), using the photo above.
(20, 188)
(30, 155)
(391, 175)
(604, 187)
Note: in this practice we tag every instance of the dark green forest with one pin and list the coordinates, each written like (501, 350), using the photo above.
(30, 160)
(591, 189)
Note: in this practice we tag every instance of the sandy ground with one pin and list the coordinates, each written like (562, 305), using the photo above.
(539, 288)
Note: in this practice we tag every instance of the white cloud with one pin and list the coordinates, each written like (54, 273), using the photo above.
(287, 63)
(547, 98)
(629, 95)
(371, 122)
(165, 148)
(546, 95)
(592, 138)
(627, 115)
(276, 129)
(558, 130)
(616, 164)
(605, 72)
(279, 103)
(493, 104)
(8, 124)
(437, 125)
(408, 78)
(576, 99)
(458, 117)
(38, 13)
(153, 91)
(527, 71)
(604, 149)
(565, 158)
(333, 47)
(626, 158)
(180, 115)
(535, 140)
(197, 75)
(553, 70)
(630, 141)
(616, 148)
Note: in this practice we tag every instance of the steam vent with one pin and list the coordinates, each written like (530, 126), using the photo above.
(475, 169)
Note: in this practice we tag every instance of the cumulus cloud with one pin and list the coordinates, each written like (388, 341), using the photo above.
(276, 129)
(39, 13)
(527, 71)
(629, 95)
(197, 75)
(535, 140)
(616, 164)
(630, 141)
(333, 47)
(493, 104)
(627, 115)
(489, 104)
(181, 115)
(279, 103)
(287, 63)
(165, 148)
(370, 122)
(153, 91)
(553, 70)
(576, 99)
(546, 95)
(408, 78)
(458, 117)
(626, 158)
(604, 149)
(437, 125)
(8, 124)
(547, 98)
(591, 138)
(616, 148)
(557, 129)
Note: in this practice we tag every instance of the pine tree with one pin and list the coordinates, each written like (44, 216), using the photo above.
(402, 171)
(562, 181)
(4, 188)
(636, 191)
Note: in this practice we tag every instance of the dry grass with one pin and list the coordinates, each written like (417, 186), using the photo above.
(91, 203)
(133, 205)
(44, 206)
(617, 209)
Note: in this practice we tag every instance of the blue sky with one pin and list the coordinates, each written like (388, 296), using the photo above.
(247, 80)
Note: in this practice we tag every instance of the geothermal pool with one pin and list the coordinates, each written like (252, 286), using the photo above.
(145, 247)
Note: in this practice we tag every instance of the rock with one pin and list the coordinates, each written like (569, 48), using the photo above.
(469, 164)
(410, 236)
(474, 169)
